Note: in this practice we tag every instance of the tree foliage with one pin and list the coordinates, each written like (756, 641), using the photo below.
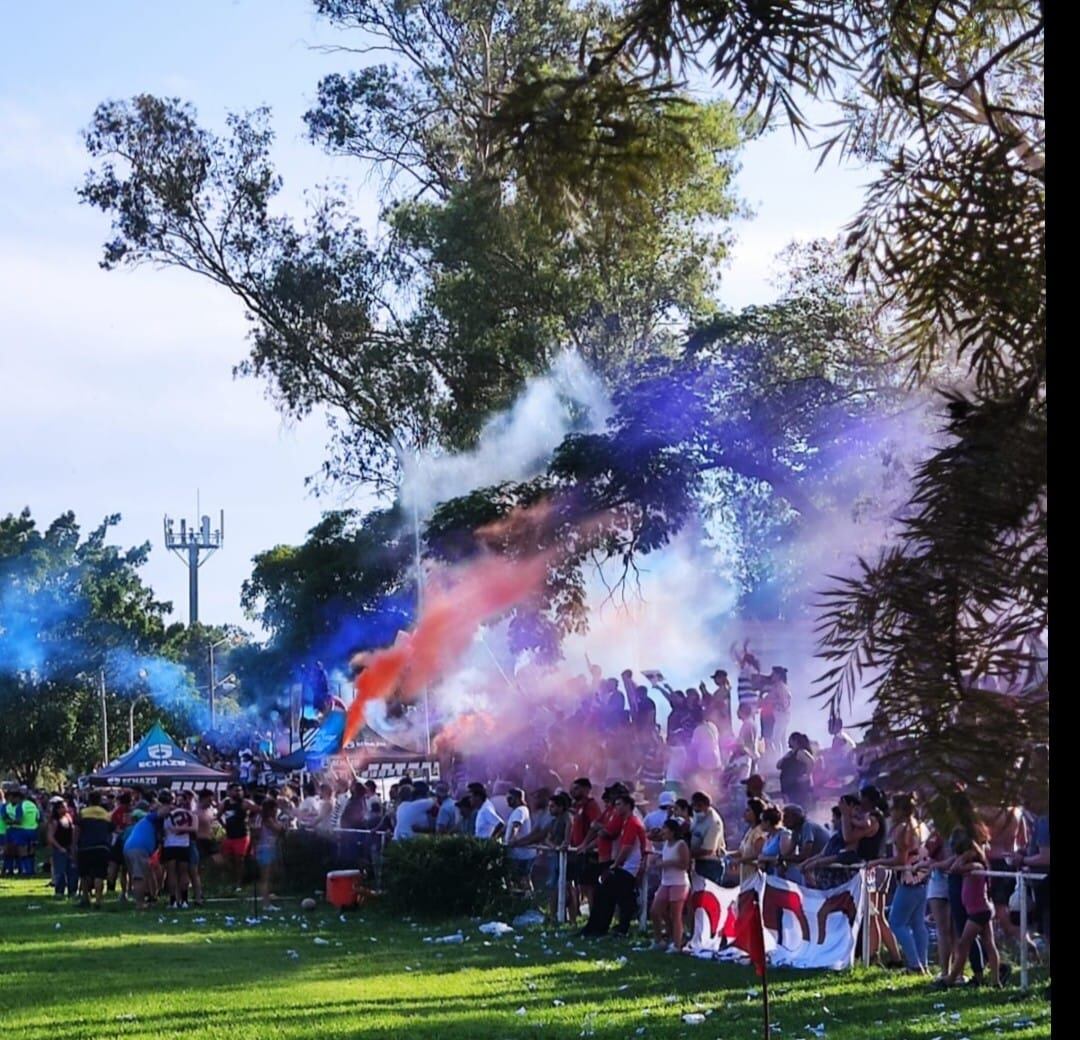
(946, 99)
(346, 588)
(411, 341)
(69, 605)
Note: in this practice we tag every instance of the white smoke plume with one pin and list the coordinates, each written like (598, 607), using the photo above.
(515, 444)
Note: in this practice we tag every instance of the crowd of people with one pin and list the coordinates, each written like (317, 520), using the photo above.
(718, 794)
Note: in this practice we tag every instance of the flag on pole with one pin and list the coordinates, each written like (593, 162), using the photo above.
(749, 935)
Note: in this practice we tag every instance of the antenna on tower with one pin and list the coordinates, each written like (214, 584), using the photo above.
(194, 545)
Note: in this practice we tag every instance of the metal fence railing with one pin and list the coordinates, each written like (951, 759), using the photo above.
(367, 846)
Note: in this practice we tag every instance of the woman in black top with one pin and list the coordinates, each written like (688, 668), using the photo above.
(868, 826)
(796, 770)
(60, 837)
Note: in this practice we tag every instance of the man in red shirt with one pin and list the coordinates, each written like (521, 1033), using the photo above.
(584, 812)
(120, 818)
(618, 885)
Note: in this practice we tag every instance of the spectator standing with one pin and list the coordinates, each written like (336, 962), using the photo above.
(779, 699)
(415, 811)
(448, 817)
(139, 845)
(489, 824)
(94, 845)
(179, 830)
(707, 839)
(518, 826)
(907, 913)
(796, 768)
(236, 812)
(617, 887)
(674, 890)
(60, 837)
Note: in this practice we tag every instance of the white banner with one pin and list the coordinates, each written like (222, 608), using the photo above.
(804, 927)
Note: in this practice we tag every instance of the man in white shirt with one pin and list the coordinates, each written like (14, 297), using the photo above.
(489, 824)
(519, 825)
(414, 811)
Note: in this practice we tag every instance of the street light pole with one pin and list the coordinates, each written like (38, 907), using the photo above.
(213, 689)
(104, 717)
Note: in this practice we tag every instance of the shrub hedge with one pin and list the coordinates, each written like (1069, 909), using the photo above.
(444, 875)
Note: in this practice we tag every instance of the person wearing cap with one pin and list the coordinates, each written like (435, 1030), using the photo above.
(448, 817)
(805, 840)
(718, 703)
(707, 839)
(518, 826)
(618, 884)
(654, 820)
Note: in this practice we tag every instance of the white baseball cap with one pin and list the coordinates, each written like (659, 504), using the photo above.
(666, 798)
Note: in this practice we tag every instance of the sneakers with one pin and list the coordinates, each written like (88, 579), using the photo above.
(184, 905)
(659, 945)
(672, 948)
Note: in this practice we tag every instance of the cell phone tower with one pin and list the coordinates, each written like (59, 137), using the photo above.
(194, 545)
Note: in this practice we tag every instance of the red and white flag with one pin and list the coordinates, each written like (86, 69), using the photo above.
(803, 927)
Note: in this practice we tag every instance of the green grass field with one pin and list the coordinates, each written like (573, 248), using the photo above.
(71, 973)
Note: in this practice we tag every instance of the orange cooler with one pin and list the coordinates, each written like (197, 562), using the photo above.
(341, 888)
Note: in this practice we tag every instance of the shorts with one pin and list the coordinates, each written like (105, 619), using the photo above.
(981, 917)
(1001, 888)
(235, 847)
(710, 869)
(138, 864)
(94, 863)
(266, 855)
(207, 847)
(575, 867)
(176, 854)
(193, 854)
(938, 886)
(520, 869)
(590, 873)
(21, 837)
(116, 853)
(673, 893)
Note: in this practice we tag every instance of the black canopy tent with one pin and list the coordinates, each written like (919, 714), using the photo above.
(158, 761)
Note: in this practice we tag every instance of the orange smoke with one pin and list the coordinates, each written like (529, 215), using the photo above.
(456, 606)
(469, 733)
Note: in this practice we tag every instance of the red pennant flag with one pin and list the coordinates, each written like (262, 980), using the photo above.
(749, 936)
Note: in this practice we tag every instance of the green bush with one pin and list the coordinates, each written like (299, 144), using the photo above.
(444, 876)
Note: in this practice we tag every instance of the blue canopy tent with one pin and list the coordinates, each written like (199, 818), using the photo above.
(158, 761)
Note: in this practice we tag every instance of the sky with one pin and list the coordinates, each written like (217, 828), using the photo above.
(116, 388)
